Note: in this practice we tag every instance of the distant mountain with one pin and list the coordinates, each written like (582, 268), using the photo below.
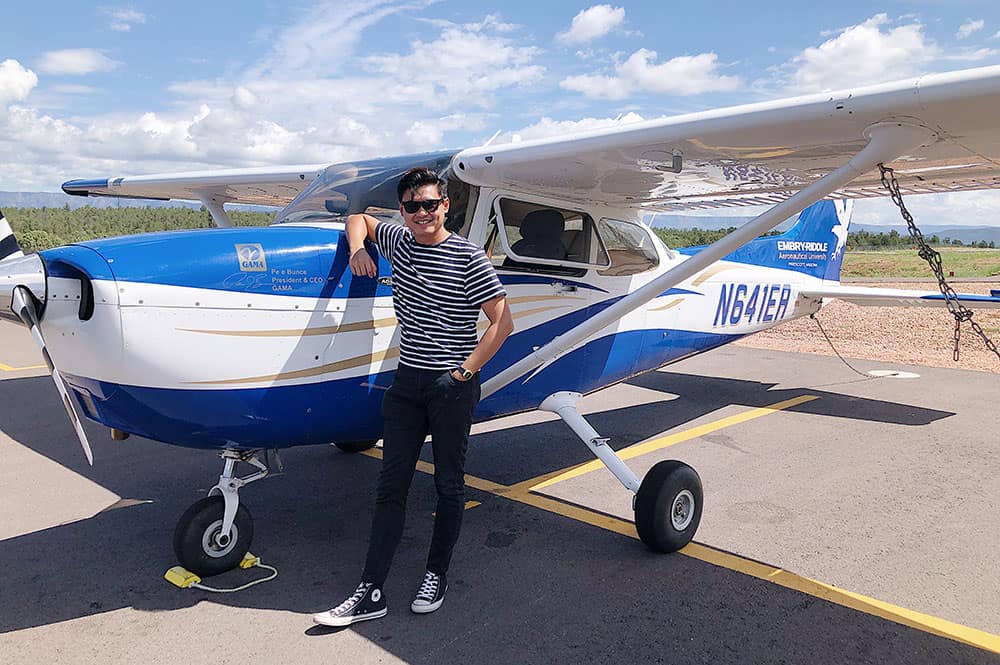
(59, 200)
(967, 234)
(670, 221)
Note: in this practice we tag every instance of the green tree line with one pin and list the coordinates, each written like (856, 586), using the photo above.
(42, 228)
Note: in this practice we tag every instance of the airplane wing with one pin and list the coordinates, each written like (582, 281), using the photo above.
(272, 186)
(763, 153)
(880, 297)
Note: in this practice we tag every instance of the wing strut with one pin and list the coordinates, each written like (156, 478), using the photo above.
(218, 212)
(886, 142)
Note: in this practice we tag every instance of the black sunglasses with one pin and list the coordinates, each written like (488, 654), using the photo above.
(430, 205)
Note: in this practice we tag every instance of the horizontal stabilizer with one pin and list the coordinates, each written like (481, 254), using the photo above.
(879, 297)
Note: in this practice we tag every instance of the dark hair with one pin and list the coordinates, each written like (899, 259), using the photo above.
(418, 177)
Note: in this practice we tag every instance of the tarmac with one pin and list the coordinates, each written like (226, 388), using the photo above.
(846, 520)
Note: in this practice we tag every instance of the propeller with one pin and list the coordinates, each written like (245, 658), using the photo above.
(23, 304)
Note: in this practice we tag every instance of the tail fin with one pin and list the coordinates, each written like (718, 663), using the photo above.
(9, 247)
(813, 246)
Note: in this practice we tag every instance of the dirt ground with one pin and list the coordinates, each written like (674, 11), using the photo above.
(909, 335)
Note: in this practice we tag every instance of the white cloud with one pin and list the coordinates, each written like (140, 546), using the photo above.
(863, 54)
(77, 61)
(123, 18)
(598, 86)
(16, 82)
(970, 27)
(470, 65)
(72, 89)
(592, 23)
(547, 127)
(295, 105)
(683, 75)
(950, 209)
(972, 55)
(317, 43)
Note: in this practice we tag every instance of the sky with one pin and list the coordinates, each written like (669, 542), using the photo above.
(134, 88)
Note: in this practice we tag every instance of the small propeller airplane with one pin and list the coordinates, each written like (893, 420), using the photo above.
(243, 340)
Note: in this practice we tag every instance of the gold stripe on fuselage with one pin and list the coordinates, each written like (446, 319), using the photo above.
(670, 305)
(710, 273)
(348, 363)
(356, 326)
(303, 332)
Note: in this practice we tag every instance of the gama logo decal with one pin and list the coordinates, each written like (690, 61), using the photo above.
(251, 258)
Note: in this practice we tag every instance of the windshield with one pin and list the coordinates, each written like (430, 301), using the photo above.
(344, 189)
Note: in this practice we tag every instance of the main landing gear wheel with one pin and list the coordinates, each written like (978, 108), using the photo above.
(355, 446)
(198, 541)
(668, 506)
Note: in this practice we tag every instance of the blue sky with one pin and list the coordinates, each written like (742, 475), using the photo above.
(115, 89)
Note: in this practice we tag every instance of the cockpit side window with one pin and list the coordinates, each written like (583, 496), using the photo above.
(543, 239)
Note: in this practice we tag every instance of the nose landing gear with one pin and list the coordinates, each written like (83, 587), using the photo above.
(214, 534)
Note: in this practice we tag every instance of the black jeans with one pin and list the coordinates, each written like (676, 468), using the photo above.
(421, 402)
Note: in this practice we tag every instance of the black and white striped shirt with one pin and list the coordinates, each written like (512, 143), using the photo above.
(437, 292)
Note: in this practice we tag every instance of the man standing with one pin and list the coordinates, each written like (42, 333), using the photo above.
(440, 283)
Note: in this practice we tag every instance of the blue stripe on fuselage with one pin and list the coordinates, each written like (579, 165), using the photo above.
(276, 260)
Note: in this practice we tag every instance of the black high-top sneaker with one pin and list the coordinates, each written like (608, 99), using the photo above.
(431, 593)
(367, 602)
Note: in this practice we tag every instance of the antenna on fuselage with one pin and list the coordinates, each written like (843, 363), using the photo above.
(493, 138)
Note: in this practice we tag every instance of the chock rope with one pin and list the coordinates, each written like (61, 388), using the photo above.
(184, 579)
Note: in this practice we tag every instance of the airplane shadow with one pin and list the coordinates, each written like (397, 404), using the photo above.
(568, 591)
(552, 446)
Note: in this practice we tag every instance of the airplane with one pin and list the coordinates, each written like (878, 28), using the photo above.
(245, 340)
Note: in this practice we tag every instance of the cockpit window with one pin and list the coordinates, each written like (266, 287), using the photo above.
(629, 246)
(344, 189)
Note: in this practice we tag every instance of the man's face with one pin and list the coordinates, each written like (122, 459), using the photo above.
(427, 227)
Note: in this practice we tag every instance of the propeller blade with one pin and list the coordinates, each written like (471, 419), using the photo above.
(23, 305)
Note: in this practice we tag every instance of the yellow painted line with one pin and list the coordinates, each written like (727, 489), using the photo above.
(472, 504)
(8, 368)
(845, 598)
(638, 449)
(521, 493)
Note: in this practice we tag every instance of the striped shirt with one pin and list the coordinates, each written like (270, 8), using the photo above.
(437, 292)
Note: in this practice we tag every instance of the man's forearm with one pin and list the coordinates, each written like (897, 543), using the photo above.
(488, 346)
(357, 232)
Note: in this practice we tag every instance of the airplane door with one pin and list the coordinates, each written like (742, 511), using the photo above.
(544, 257)
(626, 347)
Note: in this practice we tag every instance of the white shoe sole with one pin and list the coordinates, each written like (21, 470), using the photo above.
(425, 609)
(326, 619)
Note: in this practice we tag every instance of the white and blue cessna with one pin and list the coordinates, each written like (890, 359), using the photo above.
(247, 339)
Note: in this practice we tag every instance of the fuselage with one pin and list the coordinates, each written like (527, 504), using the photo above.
(262, 338)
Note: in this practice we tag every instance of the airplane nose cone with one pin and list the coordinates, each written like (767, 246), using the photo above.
(25, 271)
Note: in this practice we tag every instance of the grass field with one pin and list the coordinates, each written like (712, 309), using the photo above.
(962, 261)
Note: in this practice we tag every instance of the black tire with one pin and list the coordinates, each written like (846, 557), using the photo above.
(356, 446)
(194, 537)
(668, 506)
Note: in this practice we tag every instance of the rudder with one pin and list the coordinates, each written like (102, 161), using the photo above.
(9, 247)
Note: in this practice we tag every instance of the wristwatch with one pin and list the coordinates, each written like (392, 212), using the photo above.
(466, 373)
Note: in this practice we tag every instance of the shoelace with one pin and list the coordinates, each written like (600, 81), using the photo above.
(428, 588)
(358, 594)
